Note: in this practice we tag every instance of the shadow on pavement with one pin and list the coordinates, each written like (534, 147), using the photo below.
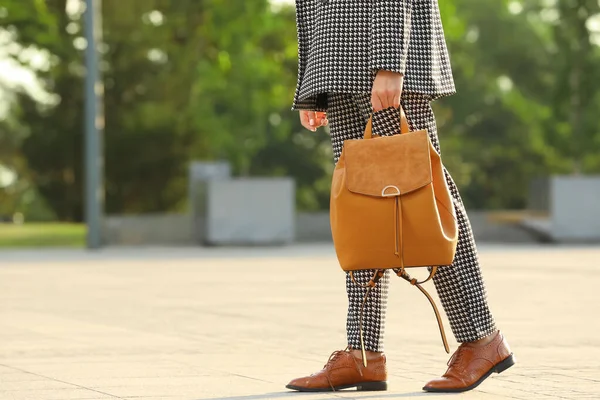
(347, 393)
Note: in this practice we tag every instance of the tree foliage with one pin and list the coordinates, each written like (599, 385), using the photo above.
(189, 79)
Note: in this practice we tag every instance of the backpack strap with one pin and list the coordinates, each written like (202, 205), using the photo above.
(404, 275)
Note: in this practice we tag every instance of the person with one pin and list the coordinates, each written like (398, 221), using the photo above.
(359, 58)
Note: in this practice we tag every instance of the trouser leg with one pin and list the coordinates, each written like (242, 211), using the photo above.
(460, 286)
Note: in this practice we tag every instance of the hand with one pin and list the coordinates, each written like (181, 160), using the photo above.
(387, 90)
(312, 120)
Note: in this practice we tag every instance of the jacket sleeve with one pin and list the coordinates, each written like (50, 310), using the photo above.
(390, 33)
(303, 40)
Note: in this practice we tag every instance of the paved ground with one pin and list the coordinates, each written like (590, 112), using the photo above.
(239, 324)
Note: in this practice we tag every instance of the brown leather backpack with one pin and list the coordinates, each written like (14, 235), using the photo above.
(391, 208)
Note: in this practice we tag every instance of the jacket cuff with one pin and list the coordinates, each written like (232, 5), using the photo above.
(390, 31)
(309, 104)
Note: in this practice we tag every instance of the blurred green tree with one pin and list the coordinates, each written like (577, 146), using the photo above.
(242, 98)
(509, 122)
(209, 79)
(183, 80)
(23, 25)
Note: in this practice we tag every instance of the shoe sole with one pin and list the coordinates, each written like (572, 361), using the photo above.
(361, 387)
(498, 368)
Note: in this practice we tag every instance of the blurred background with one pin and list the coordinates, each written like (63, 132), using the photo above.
(200, 90)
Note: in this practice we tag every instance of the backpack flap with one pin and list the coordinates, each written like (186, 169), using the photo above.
(389, 165)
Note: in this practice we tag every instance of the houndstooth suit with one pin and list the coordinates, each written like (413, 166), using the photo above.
(342, 43)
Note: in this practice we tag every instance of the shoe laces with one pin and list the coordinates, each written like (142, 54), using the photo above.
(456, 357)
(338, 353)
(334, 356)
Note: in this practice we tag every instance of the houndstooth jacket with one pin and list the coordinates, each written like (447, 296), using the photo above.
(342, 43)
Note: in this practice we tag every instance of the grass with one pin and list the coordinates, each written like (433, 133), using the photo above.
(42, 235)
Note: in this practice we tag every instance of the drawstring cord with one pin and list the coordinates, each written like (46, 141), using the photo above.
(398, 228)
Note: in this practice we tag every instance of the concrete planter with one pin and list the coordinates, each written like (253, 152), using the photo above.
(574, 208)
(147, 230)
(250, 211)
(199, 174)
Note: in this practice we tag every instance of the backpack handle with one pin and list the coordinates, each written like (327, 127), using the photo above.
(404, 127)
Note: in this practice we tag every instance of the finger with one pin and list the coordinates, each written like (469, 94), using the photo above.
(307, 115)
(318, 119)
(311, 115)
(396, 101)
(322, 118)
(389, 98)
(385, 103)
(383, 96)
(376, 102)
(308, 118)
(305, 119)
(309, 126)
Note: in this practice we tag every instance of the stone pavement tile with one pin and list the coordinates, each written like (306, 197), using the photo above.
(240, 323)
(509, 388)
(54, 394)
(562, 393)
(585, 388)
(115, 373)
(68, 333)
(46, 384)
(16, 384)
(11, 375)
(19, 378)
(164, 381)
(237, 387)
(555, 381)
(347, 394)
(266, 396)
(222, 386)
(405, 394)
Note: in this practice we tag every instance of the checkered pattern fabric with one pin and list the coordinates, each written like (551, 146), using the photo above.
(341, 45)
(460, 286)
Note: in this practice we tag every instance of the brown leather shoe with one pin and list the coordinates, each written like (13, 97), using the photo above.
(344, 371)
(470, 365)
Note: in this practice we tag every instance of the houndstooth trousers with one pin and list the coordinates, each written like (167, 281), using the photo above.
(460, 286)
